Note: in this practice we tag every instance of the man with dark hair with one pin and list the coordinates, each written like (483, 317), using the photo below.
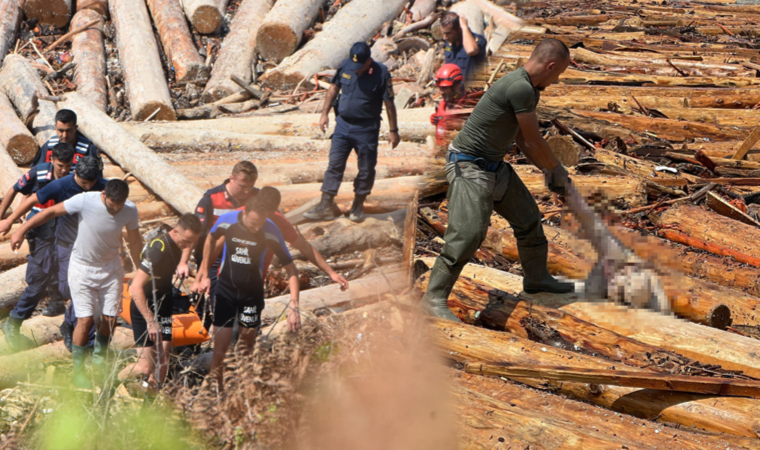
(463, 47)
(66, 131)
(364, 87)
(152, 320)
(245, 236)
(84, 179)
(41, 269)
(481, 182)
(95, 271)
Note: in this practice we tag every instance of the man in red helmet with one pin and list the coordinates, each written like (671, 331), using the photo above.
(448, 116)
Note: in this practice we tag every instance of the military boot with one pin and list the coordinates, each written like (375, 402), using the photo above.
(323, 211)
(439, 288)
(537, 277)
(56, 305)
(11, 329)
(80, 377)
(68, 334)
(357, 209)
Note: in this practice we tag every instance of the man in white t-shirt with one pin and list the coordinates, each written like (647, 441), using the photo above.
(95, 271)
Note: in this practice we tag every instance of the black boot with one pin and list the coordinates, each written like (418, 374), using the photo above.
(323, 211)
(68, 334)
(56, 305)
(357, 209)
(11, 329)
(537, 277)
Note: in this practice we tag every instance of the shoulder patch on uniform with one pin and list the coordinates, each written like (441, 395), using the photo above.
(346, 76)
(477, 39)
(199, 210)
(163, 246)
(448, 49)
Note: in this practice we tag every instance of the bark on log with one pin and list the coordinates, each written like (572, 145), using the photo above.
(99, 6)
(473, 14)
(14, 136)
(133, 155)
(140, 61)
(13, 282)
(10, 17)
(177, 41)
(465, 343)
(282, 30)
(203, 14)
(354, 22)
(237, 53)
(9, 174)
(89, 52)
(49, 12)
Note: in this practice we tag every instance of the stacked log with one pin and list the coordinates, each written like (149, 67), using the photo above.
(203, 14)
(51, 12)
(282, 30)
(10, 16)
(177, 40)
(99, 6)
(89, 52)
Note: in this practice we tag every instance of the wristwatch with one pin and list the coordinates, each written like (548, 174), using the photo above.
(394, 131)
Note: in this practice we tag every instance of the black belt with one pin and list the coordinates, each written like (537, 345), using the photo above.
(359, 121)
(63, 244)
(482, 163)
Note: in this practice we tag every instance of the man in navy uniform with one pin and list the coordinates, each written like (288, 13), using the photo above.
(364, 87)
(66, 131)
(41, 270)
(463, 47)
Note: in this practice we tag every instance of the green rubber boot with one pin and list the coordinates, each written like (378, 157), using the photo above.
(81, 380)
(100, 356)
(439, 288)
(537, 277)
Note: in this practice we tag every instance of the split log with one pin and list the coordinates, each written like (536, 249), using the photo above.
(473, 14)
(88, 49)
(282, 31)
(588, 417)
(237, 52)
(177, 41)
(14, 136)
(99, 6)
(10, 15)
(133, 155)
(140, 61)
(203, 14)
(356, 21)
(24, 88)
(465, 343)
(49, 12)
(13, 282)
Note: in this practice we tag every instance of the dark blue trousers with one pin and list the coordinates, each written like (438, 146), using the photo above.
(361, 137)
(41, 272)
(64, 256)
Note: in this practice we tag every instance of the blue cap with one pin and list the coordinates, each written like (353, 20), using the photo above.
(360, 53)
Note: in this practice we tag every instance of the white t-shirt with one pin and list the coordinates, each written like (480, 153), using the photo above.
(99, 236)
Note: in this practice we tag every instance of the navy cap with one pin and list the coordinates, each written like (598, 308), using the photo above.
(359, 55)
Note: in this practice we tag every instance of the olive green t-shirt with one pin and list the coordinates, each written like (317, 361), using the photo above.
(492, 127)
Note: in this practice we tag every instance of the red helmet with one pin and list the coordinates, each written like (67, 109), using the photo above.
(447, 75)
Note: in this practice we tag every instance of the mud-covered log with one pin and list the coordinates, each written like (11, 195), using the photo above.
(281, 33)
(237, 52)
(10, 17)
(203, 14)
(133, 155)
(144, 77)
(13, 282)
(356, 21)
(177, 41)
(89, 53)
(49, 12)
(14, 136)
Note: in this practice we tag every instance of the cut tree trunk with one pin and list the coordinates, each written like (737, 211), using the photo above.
(147, 90)
(49, 12)
(24, 88)
(14, 136)
(465, 343)
(343, 236)
(356, 21)
(236, 56)
(473, 14)
(177, 41)
(133, 155)
(99, 6)
(13, 282)
(89, 52)
(281, 33)
(9, 174)
(392, 190)
(10, 15)
(203, 14)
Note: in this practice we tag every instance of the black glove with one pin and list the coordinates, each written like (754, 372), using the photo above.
(557, 179)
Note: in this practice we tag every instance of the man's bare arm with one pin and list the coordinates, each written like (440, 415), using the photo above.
(316, 258)
(390, 109)
(34, 222)
(22, 209)
(533, 145)
(7, 200)
(468, 40)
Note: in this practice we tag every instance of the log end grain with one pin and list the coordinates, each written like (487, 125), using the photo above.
(276, 79)
(206, 19)
(22, 148)
(276, 41)
(50, 12)
(165, 112)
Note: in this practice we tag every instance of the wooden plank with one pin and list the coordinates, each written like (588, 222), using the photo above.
(727, 387)
(748, 143)
(722, 207)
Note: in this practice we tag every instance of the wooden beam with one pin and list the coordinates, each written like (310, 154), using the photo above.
(748, 143)
(722, 207)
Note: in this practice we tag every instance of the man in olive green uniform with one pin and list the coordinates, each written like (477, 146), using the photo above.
(481, 182)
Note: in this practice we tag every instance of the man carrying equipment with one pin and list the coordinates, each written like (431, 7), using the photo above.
(96, 275)
(245, 236)
(41, 269)
(463, 47)
(66, 131)
(159, 261)
(481, 182)
(364, 86)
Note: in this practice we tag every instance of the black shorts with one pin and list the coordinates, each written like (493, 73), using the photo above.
(140, 327)
(247, 312)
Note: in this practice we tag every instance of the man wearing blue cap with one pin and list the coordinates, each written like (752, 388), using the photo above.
(364, 87)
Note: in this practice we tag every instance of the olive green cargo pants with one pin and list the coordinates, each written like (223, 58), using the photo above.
(473, 195)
